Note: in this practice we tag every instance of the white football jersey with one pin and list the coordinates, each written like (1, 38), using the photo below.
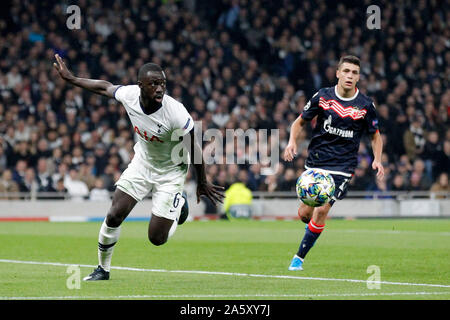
(156, 132)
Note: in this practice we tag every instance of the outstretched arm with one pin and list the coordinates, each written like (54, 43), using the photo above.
(102, 87)
(291, 149)
(377, 148)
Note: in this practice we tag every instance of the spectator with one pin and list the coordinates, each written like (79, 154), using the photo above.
(29, 183)
(43, 177)
(77, 156)
(101, 157)
(398, 183)
(42, 150)
(288, 182)
(19, 172)
(431, 154)
(222, 179)
(243, 177)
(441, 186)
(85, 173)
(255, 179)
(229, 17)
(61, 192)
(108, 177)
(99, 193)
(7, 184)
(21, 152)
(419, 169)
(22, 133)
(404, 167)
(360, 180)
(76, 188)
(414, 139)
(414, 182)
(232, 173)
(3, 159)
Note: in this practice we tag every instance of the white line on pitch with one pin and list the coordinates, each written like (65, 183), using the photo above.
(375, 294)
(228, 274)
(392, 232)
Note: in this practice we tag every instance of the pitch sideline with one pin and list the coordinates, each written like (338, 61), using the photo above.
(206, 296)
(228, 274)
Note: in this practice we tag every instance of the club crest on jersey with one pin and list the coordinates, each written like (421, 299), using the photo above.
(336, 131)
(145, 136)
(354, 112)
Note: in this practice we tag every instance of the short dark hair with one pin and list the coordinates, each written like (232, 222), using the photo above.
(148, 67)
(350, 59)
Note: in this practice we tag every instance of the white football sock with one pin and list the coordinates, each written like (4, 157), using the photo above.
(107, 238)
(172, 229)
(175, 222)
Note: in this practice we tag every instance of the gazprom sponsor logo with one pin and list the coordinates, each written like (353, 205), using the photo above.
(336, 131)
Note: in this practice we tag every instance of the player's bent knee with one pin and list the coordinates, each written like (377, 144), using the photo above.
(323, 211)
(158, 239)
(113, 220)
(304, 215)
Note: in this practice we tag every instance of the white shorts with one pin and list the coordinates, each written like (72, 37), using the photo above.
(139, 179)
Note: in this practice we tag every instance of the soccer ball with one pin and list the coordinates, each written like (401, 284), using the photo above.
(315, 187)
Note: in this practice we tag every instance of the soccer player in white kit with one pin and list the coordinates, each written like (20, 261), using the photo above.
(160, 123)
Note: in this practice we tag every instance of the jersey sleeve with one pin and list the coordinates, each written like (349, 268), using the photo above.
(182, 122)
(121, 93)
(311, 109)
(371, 119)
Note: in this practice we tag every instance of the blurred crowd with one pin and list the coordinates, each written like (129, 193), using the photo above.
(233, 64)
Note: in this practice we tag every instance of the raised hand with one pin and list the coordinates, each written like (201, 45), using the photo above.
(62, 69)
(211, 191)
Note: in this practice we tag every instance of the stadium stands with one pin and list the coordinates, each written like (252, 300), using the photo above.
(233, 64)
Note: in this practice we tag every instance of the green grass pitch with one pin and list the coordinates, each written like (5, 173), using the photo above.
(235, 260)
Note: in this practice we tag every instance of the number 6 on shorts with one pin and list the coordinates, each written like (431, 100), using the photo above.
(176, 200)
